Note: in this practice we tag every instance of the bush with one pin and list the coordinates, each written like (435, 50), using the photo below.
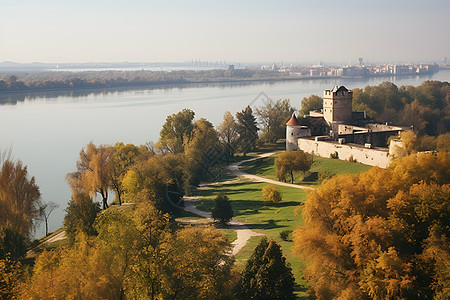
(222, 210)
(324, 175)
(271, 194)
(284, 235)
(334, 155)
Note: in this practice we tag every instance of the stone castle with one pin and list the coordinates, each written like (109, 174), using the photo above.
(339, 131)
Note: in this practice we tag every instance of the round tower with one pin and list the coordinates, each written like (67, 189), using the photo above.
(293, 132)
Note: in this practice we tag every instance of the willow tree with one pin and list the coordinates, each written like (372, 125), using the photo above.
(20, 198)
(93, 172)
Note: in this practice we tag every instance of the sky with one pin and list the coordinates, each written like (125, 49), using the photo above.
(57, 31)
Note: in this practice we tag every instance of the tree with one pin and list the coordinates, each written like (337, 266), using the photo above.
(222, 210)
(80, 215)
(123, 157)
(271, 194)
(228, 134)
(247, 130)
(273, 117)
(20, 198)
(12, 244)
(176, 131)
(201, 152)
(311, 103)
(266, 274)
(45, 210)
(93, 172)
(382, 234)
(288, 162)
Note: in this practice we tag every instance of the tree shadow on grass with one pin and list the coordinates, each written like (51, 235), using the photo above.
(268, 224)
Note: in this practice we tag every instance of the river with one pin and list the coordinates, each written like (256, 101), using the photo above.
(47, 130)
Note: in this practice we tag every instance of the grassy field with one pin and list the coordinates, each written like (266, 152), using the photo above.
(265, 167)
(269, 219)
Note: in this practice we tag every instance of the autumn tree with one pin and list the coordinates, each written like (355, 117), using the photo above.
(20, 198)
(382, 234)
(201, 152)
(93, 172)
(176, 131)
(228, 134)
(247, 129)
(123, 158)
(273, 117)
(311, 103)
(271, 194)
(288, 162)
(267, 274)
(147, 181)
(222, 210)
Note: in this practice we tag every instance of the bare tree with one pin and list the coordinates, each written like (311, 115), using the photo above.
(45, 210)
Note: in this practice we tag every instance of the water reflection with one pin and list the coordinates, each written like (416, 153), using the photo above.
(13, 98)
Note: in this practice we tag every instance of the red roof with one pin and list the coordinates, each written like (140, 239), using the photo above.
(293, 121)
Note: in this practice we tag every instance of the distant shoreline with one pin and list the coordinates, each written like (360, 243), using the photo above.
(183, 83)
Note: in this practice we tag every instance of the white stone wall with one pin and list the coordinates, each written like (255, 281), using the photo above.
(372, 157)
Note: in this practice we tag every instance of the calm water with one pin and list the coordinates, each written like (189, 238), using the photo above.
(47, 130)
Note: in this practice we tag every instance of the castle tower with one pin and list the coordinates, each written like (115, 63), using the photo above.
(293, 132)
(337, 105)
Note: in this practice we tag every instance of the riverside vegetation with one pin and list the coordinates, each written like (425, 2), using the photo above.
(375, 234)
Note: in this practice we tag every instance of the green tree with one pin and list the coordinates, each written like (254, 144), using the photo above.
(222, 210)
(288, 162)
(80, 215)
(176, 131)
(12, 244)
(271, 194)
(273, 117)
(267, 274)
(247, 130)
(311, 103)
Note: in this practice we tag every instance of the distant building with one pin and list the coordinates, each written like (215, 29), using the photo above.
(339, 129)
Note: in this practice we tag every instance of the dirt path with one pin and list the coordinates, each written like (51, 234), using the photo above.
(243, 232)
(234, 168)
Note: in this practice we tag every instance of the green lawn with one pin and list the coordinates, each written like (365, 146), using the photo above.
(265, 167)
(269, 219)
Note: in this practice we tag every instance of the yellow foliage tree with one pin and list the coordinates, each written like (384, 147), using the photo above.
(271, 194)
(375, 235)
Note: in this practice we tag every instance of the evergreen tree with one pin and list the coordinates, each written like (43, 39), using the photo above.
(222, 210)
(266, 275)
(247, 130)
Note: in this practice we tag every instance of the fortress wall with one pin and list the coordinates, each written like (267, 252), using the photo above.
(372, 157)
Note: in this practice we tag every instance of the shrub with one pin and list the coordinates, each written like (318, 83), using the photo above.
(284, 235)
(222, 210)
(271, 194)
(334, 155)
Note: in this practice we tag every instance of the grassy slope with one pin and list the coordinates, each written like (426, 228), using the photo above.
(265, 167)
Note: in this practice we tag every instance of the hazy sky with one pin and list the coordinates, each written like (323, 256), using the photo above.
(232, 30)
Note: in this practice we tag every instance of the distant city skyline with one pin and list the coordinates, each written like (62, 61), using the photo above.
(250, 31)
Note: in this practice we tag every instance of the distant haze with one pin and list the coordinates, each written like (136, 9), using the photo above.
(234, 31)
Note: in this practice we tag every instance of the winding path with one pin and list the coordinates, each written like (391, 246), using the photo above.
(234, 168)
(244, 233)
